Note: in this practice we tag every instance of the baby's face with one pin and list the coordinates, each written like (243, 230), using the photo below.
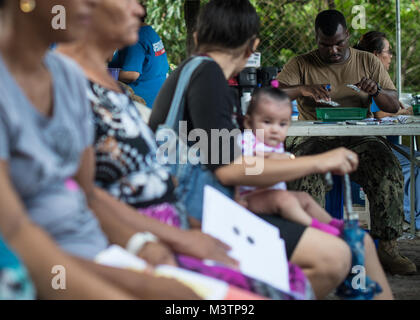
(271, 120)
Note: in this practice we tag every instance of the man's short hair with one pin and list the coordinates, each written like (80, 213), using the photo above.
(328, 21)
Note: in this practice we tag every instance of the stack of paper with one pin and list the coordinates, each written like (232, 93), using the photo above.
(255, 243)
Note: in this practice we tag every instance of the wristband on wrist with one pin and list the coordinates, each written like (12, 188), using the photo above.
(138, 241)
(291, 156)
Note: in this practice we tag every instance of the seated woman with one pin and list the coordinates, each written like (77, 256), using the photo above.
(229, 42)
(377, 43)
(44, 140)
(126, 165)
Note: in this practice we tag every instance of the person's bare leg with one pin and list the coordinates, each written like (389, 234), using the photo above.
(141, 285)
(311, 207)
(375, 271)
(324, 259)
(278, 202)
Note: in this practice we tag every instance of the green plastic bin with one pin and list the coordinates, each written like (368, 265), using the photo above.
(341, 114)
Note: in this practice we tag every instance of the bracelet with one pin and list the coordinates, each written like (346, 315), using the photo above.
(291, 156)
(138, 241)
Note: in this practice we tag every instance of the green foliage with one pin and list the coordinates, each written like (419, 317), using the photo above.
(287, 29)
(167, 18)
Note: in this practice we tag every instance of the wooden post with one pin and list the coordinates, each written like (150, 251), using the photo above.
(331, 4)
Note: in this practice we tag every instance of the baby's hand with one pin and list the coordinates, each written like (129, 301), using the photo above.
(239, 199)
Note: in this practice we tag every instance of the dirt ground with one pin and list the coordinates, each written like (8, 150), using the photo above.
(403, 287)
(408, 287)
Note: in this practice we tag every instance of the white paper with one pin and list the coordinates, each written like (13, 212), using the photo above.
(255, 243)
(206, 287)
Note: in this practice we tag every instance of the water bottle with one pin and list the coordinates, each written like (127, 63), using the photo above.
(245, 100)
(295, 111)
(362, 194)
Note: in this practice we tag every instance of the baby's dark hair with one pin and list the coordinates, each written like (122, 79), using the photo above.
(273, 93)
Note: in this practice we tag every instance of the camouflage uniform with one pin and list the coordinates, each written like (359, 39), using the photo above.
(379, 173)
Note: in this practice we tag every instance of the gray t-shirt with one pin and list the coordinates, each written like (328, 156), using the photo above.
(44, 152)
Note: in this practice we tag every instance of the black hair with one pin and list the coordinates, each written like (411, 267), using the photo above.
(2, 3)
(273, 93)
(328, 21)
(371, 42)
(227, 24)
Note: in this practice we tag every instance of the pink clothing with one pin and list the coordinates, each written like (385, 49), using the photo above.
(251, 146)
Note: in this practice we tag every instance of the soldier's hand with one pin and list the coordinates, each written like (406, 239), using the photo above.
(367, 85)
(317, 92)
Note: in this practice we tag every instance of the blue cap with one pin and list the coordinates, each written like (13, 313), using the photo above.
(328, 87)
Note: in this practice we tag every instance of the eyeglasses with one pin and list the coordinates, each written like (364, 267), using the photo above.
(389, 51)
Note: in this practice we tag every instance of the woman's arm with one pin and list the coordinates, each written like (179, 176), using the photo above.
(39, 253)
(383, 114)
(128, 76)
(120, 221)
(263, 172)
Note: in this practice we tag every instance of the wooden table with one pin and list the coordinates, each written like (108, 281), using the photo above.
(309, 129)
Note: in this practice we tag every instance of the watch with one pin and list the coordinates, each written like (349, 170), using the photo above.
(377, 92)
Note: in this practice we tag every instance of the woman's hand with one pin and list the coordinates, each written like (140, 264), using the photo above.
(157, 253)
(199, 245)
(408, 111)
(338, 161)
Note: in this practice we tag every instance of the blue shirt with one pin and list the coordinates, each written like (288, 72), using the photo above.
(147, 57)
(43, 152)
(374, 107)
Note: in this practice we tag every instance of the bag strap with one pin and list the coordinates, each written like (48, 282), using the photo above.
(176, 110)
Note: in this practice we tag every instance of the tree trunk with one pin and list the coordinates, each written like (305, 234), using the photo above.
(331, 4)
(191, 11)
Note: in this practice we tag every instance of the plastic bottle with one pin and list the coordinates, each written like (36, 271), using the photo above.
(245, 100)
(362, 194)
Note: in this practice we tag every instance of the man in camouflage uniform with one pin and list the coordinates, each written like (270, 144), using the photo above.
(305, 78)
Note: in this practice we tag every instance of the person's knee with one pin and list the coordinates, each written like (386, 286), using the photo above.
(335, 263)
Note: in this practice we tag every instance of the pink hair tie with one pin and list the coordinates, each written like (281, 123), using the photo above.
(275, 84)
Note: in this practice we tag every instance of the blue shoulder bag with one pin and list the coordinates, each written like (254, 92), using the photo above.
(183, 161)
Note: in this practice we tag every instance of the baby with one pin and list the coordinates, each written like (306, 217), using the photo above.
(266, 124)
